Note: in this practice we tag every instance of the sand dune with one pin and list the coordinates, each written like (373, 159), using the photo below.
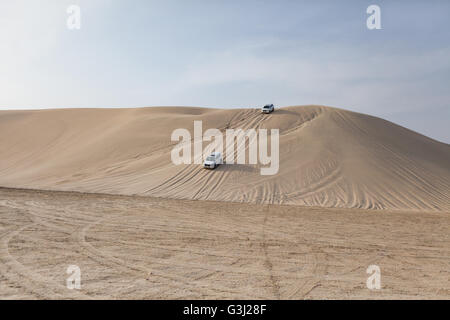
(328, 157)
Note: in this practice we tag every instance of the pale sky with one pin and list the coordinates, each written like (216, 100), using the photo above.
(231, 54)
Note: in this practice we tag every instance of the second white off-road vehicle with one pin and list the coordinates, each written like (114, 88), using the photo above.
(268, 108)
(213, 160)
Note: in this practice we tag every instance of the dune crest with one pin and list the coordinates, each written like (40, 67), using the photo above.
(328, 157)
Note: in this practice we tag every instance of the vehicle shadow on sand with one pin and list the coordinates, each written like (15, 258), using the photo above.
(238, 167)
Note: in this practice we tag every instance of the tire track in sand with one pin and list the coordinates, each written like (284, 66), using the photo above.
(30, 281)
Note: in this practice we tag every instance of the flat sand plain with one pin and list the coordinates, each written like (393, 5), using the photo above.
(132, 247)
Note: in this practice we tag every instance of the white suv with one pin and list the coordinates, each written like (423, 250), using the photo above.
(268, 108)
(213, 160)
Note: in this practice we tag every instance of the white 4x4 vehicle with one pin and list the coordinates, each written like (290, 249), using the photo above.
(268, 108)
(213, 160)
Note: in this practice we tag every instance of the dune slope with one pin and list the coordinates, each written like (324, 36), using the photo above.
(328, 157)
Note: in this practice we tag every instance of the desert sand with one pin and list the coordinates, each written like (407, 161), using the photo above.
(155, 248)
(352, 190)
(328, 157)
